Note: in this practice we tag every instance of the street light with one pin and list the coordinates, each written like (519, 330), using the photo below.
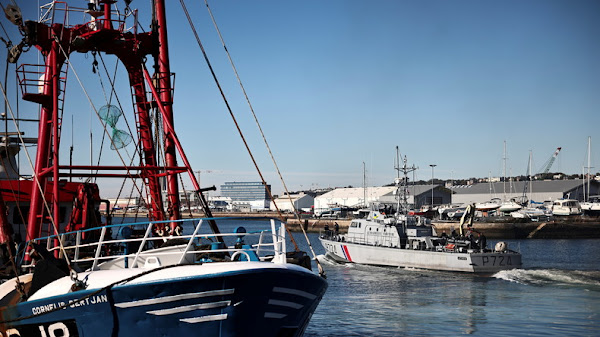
(432, 166)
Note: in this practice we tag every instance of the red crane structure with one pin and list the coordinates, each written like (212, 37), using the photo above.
(105, 33)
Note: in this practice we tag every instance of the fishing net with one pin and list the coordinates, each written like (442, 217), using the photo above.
(120, 139)
(110, 114)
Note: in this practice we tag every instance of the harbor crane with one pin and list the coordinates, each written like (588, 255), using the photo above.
(546, 168)
(547, 165)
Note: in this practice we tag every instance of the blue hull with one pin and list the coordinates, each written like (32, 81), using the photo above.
(256, 302)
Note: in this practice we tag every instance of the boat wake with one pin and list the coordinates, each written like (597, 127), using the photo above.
(324, 259)
(590, 279)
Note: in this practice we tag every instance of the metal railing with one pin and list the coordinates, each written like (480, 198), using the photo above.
(136, 242)
(61, 12)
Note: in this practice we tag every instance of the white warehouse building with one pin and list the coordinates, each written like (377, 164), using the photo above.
(301, 201)
(538, 191)
(417, 195)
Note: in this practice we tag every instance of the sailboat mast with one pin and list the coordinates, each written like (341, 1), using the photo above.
(588, 168)
(397, 167)
(529, 175)
(504, 172)
(364, 184)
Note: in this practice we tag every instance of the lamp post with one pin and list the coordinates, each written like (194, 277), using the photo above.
(432, 166)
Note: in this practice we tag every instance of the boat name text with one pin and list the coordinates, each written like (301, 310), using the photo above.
(497, 260)
(72, 304)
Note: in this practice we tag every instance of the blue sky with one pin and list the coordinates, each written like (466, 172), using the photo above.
(339, 83)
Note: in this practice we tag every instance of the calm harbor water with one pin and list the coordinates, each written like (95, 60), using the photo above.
(556, 293)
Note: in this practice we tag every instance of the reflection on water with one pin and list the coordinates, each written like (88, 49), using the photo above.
(378, 301)
(386, 301)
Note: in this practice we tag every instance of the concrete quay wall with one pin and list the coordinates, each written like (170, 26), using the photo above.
(530, 230)
(563, 229)
(570, 228)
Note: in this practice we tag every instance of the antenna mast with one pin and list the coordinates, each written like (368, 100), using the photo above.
(402, 184)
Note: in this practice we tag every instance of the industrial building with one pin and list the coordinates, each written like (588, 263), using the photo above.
(301, 201)
(538, 191)
(254, 193)
(421, 195)
(124, 203)
(418, 196)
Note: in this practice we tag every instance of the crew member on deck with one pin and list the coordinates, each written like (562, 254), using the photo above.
(482, 241)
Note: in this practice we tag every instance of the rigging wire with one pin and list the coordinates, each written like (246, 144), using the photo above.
(109, 102)
(18, 160)
(96, 111)
(39, 186)
(45, 201)
(7, 42)
(260, 129)
(113, 91)
(160, 150)
(5, 160)
(231, 113)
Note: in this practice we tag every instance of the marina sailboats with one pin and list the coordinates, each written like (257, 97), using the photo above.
(591, 207)
(490, 205)
(507, 205)
(591, 203)
(70, 271)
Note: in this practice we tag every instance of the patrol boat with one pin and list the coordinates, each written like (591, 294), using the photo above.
(402, 240)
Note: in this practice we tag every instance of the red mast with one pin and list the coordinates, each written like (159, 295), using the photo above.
(102, 34)
(48, 132)
(164, 83)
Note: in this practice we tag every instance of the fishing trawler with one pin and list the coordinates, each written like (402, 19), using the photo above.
(403, 240)
(71, 272)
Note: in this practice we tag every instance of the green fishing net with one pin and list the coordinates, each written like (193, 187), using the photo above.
(110, 114)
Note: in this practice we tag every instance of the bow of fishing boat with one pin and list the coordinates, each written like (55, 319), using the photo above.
(138, 284)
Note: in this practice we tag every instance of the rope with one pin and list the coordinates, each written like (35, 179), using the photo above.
(233, 116)
(109, 101)
(39, 186)
(263, 135)
(187, 199)
(7, 163)
(113, 91)
(95, 110)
